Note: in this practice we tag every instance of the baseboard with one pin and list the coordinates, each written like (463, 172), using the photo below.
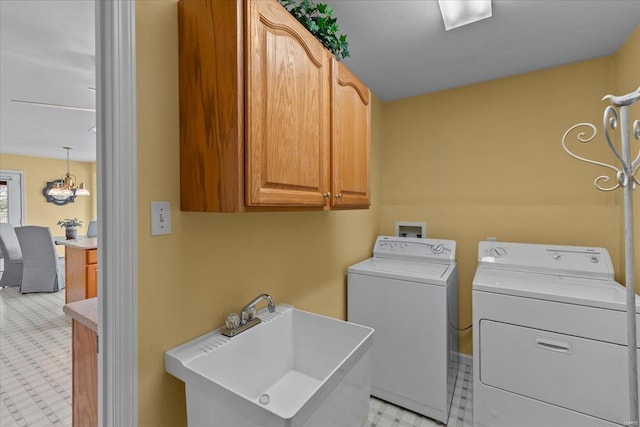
(465, 358)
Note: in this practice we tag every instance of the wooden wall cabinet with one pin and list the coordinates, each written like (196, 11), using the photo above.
(288, 110)
(350, 139)
(267, 116)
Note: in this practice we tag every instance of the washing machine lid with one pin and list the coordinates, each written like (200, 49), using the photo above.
(421, 272)
(607, 294)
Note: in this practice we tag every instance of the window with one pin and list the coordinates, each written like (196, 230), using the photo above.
(11, 197)
(4, 202)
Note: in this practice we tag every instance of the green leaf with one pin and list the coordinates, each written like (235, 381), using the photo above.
(318, 19)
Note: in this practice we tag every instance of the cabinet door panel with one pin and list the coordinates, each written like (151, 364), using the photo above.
(92, 280)
(351, 133)
(85, 376)
(288, 110)
(74, 271)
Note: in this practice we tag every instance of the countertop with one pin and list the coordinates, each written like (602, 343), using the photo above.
(84, 311)
(88, 243)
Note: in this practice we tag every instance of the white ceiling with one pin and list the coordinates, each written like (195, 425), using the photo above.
(47, 54)
(399, 49)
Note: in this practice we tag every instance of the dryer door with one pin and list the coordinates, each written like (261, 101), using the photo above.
(583, 375)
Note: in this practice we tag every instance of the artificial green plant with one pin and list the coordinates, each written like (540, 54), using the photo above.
(318, 19)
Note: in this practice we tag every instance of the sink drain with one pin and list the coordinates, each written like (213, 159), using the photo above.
(264, 399)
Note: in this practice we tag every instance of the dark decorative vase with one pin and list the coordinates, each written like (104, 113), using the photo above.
(71, 232)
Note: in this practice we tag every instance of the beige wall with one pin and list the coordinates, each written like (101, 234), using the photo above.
(37, 171)
(628, 79)
(212, 264)
(486, 161)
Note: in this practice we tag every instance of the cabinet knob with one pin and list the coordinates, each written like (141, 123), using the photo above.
(327, 195)
(339, 196)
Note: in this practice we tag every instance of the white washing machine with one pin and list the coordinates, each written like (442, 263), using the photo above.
(549, 338)
(408, 292)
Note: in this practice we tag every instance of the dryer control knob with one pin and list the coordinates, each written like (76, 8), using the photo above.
(402, 246)
(557, 257)
(437, 248)
(594, 259)
(393, 245)
(497, 252)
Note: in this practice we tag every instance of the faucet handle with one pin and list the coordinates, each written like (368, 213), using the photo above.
(233, 321)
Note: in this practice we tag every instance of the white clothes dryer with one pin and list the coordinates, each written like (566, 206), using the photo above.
(408, 292)
(549, 340)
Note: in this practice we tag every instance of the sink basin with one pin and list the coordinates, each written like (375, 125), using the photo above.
(295, 368)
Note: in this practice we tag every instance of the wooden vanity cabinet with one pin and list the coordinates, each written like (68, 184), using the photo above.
(256, 113)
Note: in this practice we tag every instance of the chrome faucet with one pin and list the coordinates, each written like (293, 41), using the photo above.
(249, 310)
(247, 318)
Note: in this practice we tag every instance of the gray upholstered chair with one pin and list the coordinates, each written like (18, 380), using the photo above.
(10, 247)
(42, 270)
(92, 228)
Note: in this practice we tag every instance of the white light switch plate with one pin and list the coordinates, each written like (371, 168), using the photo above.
(160, 218)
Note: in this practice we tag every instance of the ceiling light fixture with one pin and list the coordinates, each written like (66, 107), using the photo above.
(66, 186)
(456, 13)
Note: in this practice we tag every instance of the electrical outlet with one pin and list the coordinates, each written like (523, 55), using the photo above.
(160, 218)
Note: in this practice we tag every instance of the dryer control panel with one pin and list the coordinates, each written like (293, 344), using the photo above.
(415, 249)
(573, 261)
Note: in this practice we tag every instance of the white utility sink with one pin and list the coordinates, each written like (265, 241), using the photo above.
(295, 368)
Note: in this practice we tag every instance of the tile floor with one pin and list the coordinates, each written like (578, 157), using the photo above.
(35, 360)
(385, 414)
(35, 369)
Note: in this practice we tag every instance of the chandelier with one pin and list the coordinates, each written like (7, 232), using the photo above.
(66, 186)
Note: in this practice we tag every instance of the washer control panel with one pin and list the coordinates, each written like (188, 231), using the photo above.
(575, 261)
(415, 249)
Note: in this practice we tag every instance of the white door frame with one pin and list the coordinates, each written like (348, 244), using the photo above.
(8, 174)
(117, 213)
